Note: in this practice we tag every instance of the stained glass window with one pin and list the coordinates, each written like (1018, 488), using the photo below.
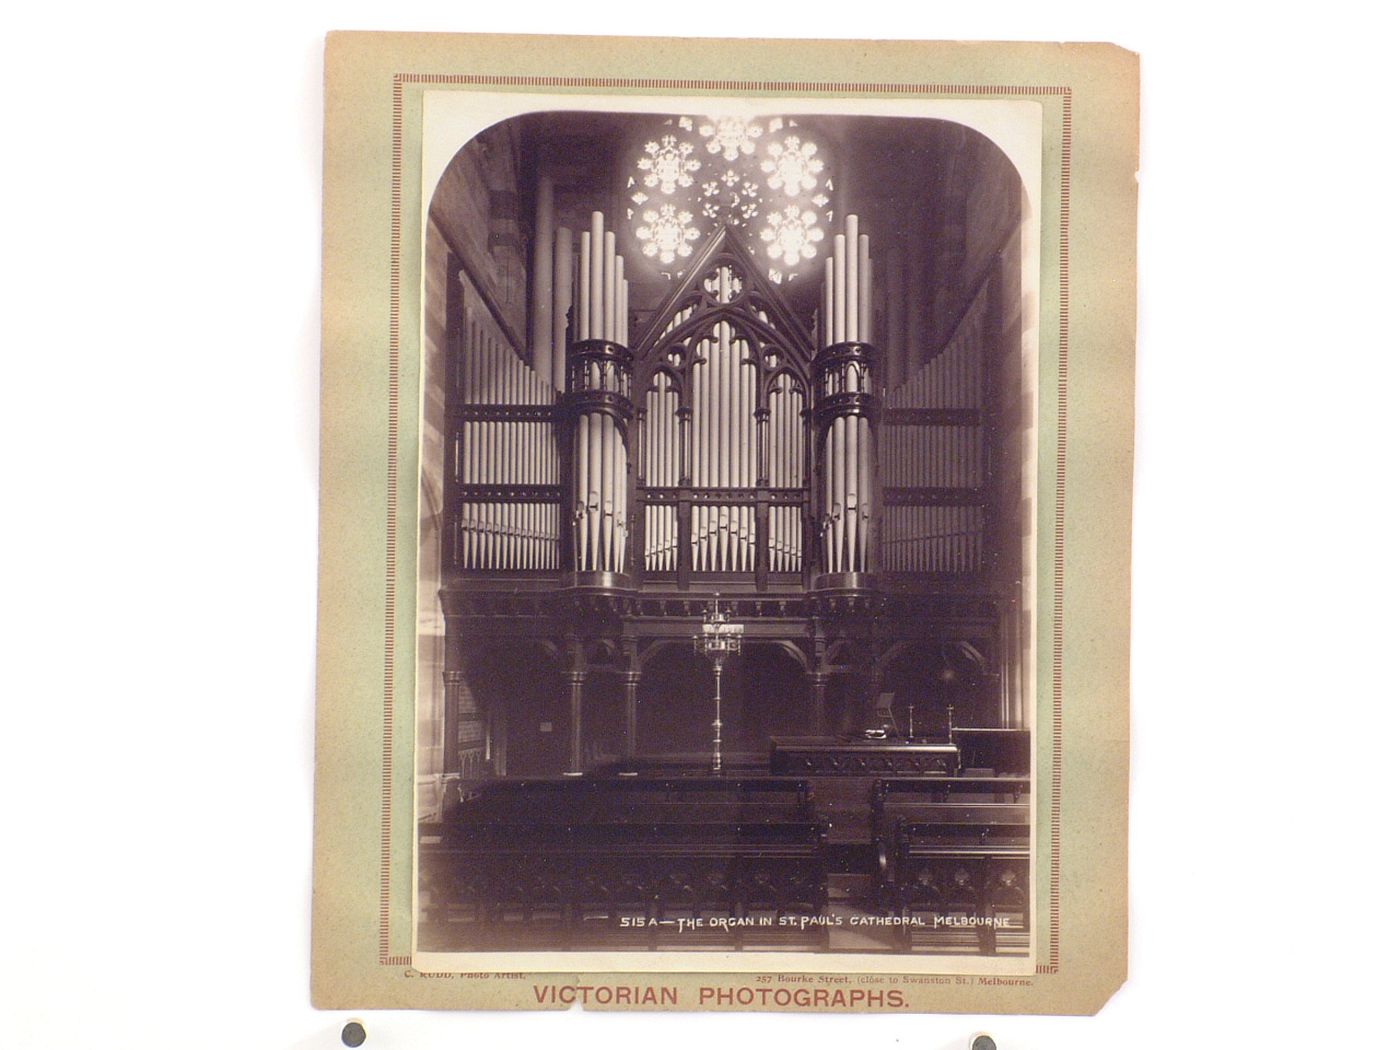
(730, 136)
(668, 165)
(666, 234)
(792, 235)
(792, 165)
(766, 177)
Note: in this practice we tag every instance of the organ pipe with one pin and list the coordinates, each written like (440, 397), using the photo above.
(838, 289)
(845, 368)
(619, 311)
(563, 283)
(863, 264)
(608, 303)
(595, 326)
(596, 373)
(583, 328)
(852, 278)
(785, 444)
(594, 490)
(828, 317)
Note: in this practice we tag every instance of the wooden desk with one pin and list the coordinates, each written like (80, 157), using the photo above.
(826, 756)
(1008, 751)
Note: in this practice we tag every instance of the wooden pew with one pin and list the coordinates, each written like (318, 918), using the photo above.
(576, 863)
(956, 855)
(616, 794)
(661, 788)
(573, 812)
(545, 804)
(911, 797)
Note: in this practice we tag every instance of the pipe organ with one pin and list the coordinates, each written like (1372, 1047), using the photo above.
(723, 385)
(748, 449)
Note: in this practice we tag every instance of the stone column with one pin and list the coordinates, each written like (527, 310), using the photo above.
(542, 281)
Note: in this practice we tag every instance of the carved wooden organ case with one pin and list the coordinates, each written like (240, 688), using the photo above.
(724, 441)
(720, 444)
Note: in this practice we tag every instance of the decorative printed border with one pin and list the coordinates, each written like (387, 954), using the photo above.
(793, 87)
(391, 535)
(1057, 610)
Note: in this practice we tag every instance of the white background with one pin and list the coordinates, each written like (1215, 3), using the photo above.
(160, 412)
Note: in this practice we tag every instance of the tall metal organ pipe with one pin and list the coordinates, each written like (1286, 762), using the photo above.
(846, 368)
(595, 369)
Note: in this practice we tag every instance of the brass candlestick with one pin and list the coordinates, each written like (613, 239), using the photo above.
(718, 639)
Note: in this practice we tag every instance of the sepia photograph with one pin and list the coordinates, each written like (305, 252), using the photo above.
(726, 613)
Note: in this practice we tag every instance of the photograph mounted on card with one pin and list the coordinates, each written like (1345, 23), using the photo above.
(697, 516)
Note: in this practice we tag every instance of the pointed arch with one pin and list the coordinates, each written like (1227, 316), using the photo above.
(756, 306)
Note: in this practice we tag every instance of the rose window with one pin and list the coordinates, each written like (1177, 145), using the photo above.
(667, 233)
(730, 136)
(792, 235)
(668, 164)
(792, 166)
(765, 178)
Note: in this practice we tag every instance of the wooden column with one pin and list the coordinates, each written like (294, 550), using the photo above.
(498, 740)
(1009, 678)
(870, 698)
(576, 680)
(762, 507)
(684, 496)
(630, 680)
(453, 682)
(816, 703)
